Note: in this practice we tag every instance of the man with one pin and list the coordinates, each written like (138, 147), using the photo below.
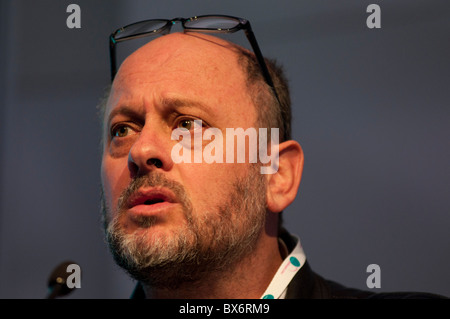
(198, 229)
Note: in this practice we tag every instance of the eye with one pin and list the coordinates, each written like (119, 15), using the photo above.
(185, 124)
(189, 124)
(122, 131)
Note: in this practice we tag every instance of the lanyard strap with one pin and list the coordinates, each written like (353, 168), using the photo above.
(289, 267)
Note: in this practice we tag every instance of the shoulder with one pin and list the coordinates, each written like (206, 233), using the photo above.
(338, 291)
(309, 285)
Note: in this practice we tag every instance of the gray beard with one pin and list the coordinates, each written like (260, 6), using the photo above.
(210, 243)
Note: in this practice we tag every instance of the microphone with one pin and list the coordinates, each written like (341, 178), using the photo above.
(57, 282)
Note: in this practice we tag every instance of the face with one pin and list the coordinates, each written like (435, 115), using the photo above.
(161, 216)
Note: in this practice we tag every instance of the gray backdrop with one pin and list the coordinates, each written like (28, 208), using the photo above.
(371, 110)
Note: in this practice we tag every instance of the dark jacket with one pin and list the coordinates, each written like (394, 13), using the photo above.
(308, 285)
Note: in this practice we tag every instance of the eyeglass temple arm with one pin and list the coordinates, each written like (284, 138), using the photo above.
(112, 57)
(252, 39)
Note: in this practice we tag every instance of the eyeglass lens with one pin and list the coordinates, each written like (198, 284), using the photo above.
(142, 27)
(217, 23)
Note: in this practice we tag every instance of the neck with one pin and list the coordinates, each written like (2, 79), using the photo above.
(247, 279)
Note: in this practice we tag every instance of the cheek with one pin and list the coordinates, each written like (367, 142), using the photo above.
(114, 178)
(209, 185)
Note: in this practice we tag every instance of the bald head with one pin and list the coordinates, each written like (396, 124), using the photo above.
(194, 66)
(187, 47)
(188, 56)
(210, 56)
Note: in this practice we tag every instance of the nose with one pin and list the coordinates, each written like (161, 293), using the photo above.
(149, 152)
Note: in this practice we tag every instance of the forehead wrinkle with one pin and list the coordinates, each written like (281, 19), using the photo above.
(119, 102)
(126, 110)
(173, 103)
(215, 60)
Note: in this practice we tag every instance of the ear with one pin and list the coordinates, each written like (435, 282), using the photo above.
(282, 186)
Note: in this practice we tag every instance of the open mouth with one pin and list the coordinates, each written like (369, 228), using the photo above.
(151, 197)
(150, 202)
(154, 201)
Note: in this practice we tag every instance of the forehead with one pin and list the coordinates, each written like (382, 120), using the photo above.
(191, 66)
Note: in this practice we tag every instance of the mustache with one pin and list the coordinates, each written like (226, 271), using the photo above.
(155, 179)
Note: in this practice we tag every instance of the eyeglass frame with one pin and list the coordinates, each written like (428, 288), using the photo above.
(243, 25)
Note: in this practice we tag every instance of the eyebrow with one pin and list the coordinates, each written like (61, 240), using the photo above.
(176, 102)
(123, 110)
(168, 104)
